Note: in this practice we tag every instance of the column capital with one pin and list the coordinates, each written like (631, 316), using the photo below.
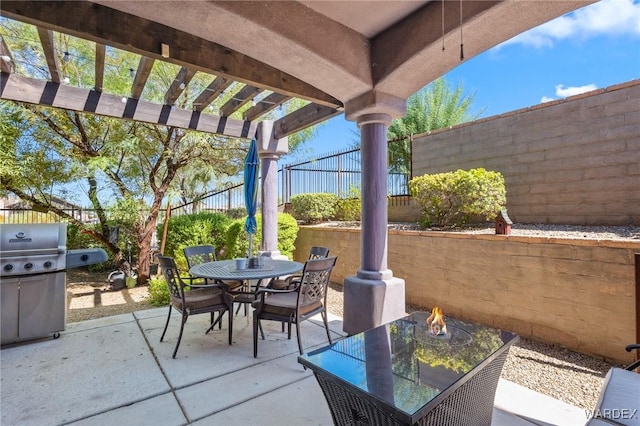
(375, 105)
(268, 145)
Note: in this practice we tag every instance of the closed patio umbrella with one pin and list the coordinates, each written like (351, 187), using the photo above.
(251, 191)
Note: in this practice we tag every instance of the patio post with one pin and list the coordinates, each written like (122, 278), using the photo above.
(374, 296)
(270, 150)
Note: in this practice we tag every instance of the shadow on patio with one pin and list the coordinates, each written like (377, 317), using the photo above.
(114, 370)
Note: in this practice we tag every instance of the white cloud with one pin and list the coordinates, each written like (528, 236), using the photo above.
(606, 17)
(564, 92)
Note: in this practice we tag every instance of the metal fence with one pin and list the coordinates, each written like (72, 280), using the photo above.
(337, 173)
(29, 215)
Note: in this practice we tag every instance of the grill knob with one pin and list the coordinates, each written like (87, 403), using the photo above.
(8, 267)
(48, 264)
(28, 266)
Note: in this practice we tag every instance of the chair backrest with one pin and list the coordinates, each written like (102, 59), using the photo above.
(171, 275)
(196, 255)
(318, 252)
(315, 280)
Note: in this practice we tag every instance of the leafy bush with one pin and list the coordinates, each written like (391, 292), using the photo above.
(158, 291)
(455, 198)
(237, 240)
(349, 208)
(314, 207)
(192, 230)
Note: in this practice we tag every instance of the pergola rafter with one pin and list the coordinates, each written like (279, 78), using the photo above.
(229, 69)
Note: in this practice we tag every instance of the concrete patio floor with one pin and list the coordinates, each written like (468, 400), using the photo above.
(115, 371)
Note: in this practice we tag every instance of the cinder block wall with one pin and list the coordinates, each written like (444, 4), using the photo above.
(571, 161)
(579, 294)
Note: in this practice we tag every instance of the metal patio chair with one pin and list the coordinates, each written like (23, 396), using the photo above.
(194, 299)
(306, 299)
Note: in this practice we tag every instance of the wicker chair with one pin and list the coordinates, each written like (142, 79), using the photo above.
(306, 299)
(194, 299)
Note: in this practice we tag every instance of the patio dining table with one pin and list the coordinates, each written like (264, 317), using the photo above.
(226, 270)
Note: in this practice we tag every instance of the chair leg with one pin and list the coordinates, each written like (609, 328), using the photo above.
(326, 325)
(261, 330)
(289, 329)
(299, 337)
(256, 322)
(184, 320)
(230, 313)
(217, 321)
(166, 324)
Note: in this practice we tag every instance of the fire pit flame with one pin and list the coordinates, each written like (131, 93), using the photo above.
(437, 326)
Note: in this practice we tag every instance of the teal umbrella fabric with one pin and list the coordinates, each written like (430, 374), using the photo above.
(251, 191)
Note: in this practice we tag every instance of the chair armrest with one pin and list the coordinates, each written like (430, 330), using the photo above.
(635, 364)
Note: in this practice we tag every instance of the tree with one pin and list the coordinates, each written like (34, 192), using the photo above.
(126, 168)
(435, 106)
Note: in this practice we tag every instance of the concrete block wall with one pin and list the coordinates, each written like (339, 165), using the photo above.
(579, 294)
(570, 161)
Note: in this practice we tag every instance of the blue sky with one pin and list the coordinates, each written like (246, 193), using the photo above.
(591, 48)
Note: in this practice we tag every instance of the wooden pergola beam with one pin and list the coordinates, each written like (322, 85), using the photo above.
(108, 26)
(6, 60)
(142, 75)
(178, 85)
(265, 105)
(304, 117)
(238, 100)
(100, 55)
(49, 48)
(211, 93)
(23, 89)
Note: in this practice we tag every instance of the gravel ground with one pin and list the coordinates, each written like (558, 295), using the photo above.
(551, 370)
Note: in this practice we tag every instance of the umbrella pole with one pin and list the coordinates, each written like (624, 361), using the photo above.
(250, 245)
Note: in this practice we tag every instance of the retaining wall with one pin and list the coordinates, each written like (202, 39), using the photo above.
(579, 294)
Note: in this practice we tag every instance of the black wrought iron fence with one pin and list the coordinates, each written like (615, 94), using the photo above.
(338, 173)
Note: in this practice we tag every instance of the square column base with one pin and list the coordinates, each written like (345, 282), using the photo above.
(371, 303)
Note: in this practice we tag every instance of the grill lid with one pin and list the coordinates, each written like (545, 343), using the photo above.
(33, 239)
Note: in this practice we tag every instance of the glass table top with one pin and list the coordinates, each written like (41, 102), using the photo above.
(404, 364)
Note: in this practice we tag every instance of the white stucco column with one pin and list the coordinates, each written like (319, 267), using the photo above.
(373, 296)
(270, 150)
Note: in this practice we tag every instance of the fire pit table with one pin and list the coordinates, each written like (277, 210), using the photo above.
(402, 374)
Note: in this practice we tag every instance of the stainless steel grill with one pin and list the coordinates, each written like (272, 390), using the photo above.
(33, 264)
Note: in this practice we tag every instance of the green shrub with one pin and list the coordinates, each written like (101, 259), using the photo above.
(314, 207)
(455, 198)
(192, 230)
(237, 240)
(158, 291)
(349, 208)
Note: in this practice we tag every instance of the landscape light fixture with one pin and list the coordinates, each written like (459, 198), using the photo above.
(65, 57)
(131, 72)
(182, 86)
